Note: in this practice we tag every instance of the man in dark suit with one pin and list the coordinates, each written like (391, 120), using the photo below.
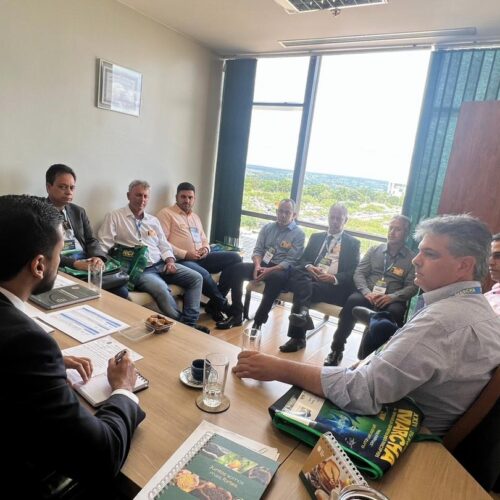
(324, 275)
(48, 431)
(81, 248)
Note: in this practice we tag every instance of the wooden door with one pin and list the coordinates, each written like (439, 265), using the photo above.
(472, 183)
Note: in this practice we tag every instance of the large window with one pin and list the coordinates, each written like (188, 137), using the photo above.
(364, 111)
(274, 134)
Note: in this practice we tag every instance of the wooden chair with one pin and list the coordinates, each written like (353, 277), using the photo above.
(475, 414)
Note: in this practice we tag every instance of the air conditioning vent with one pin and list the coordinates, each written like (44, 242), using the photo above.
(299, 6)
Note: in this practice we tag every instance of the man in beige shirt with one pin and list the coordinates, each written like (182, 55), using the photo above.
(184, 231)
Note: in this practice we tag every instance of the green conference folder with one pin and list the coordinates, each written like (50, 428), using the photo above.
(372, 442)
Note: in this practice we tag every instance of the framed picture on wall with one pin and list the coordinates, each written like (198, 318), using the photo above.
(118, 88)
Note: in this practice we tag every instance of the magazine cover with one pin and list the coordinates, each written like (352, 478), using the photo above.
(373, 442)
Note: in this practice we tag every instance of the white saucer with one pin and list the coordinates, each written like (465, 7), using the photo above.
(188, 380)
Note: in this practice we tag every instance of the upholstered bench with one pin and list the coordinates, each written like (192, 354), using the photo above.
(146, 300)
(323, 307)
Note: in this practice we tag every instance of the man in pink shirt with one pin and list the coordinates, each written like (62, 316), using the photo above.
(184, 232)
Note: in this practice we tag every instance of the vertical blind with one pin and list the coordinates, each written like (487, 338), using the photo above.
(454, 77)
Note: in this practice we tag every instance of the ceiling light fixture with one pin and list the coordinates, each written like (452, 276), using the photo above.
(301, 6)
(379, 37)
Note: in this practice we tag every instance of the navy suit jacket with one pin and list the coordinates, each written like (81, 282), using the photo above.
(348, 258)
(45, 427)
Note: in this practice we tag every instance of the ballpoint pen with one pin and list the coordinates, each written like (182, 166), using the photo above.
(120, 355)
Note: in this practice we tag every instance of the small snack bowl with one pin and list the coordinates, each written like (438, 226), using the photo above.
(157, 323)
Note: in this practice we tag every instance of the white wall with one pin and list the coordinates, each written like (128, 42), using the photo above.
(48, 51)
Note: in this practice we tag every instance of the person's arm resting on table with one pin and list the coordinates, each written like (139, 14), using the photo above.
(252, 364)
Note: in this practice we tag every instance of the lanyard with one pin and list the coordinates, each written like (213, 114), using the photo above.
(388, 265)
(326, 247)
(67, 223)
(138, 224)
(473, 290)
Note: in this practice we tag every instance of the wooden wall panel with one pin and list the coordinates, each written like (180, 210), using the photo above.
(472, 182)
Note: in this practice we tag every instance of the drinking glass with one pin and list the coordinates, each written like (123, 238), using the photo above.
(250, 339)
(214, 379)
(95, 277)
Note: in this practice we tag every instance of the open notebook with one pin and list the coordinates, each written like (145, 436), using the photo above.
(97, 389)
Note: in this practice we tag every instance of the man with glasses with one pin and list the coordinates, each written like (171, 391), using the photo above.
(279, 246)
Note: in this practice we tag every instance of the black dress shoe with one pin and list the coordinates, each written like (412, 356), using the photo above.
(293, 345)
(214, 311)
(299, 319)
(230, 322)
(363, 314)
(334, 358)
(202, 328)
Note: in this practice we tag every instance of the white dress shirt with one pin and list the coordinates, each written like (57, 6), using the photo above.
(121, 226)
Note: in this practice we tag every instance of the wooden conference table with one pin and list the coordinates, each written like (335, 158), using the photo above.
(425, 471)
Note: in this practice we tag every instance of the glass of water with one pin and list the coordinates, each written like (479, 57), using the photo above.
(95, 277)
(214, 379)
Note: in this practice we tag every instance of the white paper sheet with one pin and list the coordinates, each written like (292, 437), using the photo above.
(85, 323)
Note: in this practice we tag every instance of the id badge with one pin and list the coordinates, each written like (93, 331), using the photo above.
(195, 234)
(268, 255)
(69, 245)
(324, 264)
(380, 287)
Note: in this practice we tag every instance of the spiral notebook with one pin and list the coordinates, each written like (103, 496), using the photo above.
(328, 468)
(214, 467)
(99, 351)
(97, 390)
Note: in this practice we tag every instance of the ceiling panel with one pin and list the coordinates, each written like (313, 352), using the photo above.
(235, 27)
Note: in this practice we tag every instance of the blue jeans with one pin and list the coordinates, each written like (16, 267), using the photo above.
(155, 281)
(214, 262)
